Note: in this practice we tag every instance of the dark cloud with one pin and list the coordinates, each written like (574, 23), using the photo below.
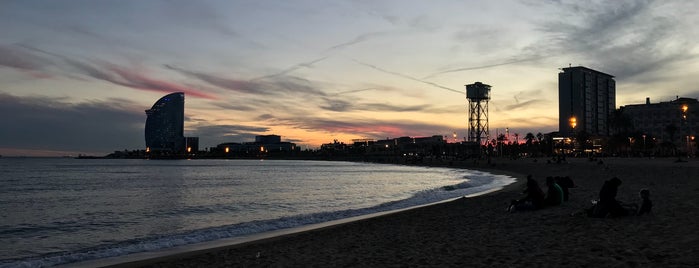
(137, 80)
(28, 58)
(272, 85)
(336, 105)
(18, 57)
(242, 86)
(264, 117)
(628, 39)
(44, 123)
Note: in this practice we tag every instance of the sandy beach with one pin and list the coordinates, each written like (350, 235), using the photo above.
(479, 232)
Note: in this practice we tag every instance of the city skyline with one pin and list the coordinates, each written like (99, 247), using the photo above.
(84, 71)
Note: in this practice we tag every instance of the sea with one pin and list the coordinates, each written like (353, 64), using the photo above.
(57, 211)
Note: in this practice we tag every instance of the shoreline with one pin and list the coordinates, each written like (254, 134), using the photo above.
(145, 258)
(478, 232)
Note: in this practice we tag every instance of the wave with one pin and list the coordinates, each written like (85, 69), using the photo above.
(474, 182)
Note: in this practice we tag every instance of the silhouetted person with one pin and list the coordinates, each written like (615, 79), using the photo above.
(565, 183)
(554, 193)
(533, 199)
(607, 204)
(646, 204)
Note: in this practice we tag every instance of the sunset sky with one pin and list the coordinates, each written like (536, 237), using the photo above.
(76, 76)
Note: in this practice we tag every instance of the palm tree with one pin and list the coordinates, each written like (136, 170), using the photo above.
(529, 138)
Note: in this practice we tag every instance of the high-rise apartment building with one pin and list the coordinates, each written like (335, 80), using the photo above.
(586, 98)
(165, 125)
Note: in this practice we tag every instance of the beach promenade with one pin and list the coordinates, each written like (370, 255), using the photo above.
(478, 232)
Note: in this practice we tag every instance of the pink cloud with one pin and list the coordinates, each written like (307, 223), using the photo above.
(139, 81)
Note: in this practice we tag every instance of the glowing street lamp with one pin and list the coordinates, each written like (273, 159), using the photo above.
(573, 122)
(684, 118)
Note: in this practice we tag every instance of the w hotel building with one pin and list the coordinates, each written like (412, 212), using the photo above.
(165, 125)
(586, 98)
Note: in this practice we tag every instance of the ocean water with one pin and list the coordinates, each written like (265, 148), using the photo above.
(60, 211)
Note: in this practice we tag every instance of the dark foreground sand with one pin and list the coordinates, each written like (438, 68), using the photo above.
(478, 232)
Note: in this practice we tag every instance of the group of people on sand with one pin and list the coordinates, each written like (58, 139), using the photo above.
(609, 206)
(558, 192)
(534, 198)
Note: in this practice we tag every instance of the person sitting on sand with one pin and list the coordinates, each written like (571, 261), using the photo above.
(565, 183)
(533, 199)
(646, 204)
(554, 194)
(607, 204)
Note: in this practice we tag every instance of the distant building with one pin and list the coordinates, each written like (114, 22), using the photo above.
(653, 119)
(269, 139)
(586, 98)
(263, 145)
(165, 125)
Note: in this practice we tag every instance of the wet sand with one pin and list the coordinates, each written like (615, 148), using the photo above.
(478, 232)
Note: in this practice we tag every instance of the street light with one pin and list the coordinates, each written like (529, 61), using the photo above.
(644, 143)
(573, 123)
(684, 119)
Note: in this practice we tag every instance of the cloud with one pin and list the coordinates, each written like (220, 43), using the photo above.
(44, 123)
(409, 77)
(336, 105)
(368, 128)
(137, 80)
(525, 104)
(377, 129)
(292, 68)
(241, 86)
(384, 107)
(235, 106)
(25, 57)
(212, 135)
(510, 62)
(272, 85)
(629, 39)
(358, 39)
(20, 58)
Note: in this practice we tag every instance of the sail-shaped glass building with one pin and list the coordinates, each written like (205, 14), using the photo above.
(165, 125)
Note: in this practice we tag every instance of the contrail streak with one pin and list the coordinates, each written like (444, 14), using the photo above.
(408, 77)
(481, 67)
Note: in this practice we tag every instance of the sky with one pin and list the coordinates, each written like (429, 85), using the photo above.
(77, 75)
